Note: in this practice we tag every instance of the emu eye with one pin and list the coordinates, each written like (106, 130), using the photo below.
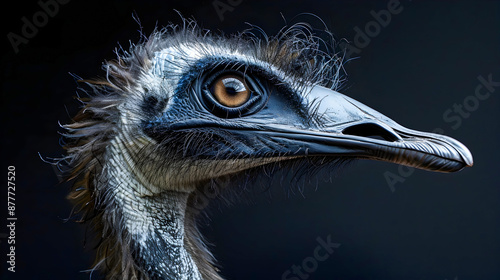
(232, 94)
(231, 91)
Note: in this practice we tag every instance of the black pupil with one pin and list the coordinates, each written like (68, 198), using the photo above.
(231, 91)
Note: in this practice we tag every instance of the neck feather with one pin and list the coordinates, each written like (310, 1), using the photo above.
(150, 229)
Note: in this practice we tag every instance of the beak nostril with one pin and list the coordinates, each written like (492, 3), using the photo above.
(370, 130)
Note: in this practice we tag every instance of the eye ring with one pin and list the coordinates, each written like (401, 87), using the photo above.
(231, 94)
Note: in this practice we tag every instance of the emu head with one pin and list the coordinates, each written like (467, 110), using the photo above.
(185, 108)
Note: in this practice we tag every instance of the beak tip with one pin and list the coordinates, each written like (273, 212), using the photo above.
(465, 154)
(469, 162)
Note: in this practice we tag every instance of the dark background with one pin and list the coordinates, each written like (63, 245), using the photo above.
(429, 226)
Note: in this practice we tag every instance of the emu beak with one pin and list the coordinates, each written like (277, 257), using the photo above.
(353, 129)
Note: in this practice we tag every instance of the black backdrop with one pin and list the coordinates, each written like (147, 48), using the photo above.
(422, 226)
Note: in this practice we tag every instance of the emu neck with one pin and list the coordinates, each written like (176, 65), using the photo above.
(159, 236)
(153, 223)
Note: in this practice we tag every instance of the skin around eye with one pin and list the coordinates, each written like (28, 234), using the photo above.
(231, 91)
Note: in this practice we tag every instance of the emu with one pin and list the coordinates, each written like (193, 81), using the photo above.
(185, 110)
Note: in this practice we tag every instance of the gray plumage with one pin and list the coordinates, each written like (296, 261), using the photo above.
(142, 149)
